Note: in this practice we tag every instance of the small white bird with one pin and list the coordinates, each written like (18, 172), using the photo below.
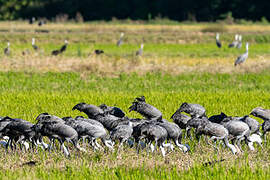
(34, 45)
(242, 58)
(218, 41)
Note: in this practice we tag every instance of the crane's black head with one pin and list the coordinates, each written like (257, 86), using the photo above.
(140, 99)
(7, 118)
(133, 107)
(103, 106)
(42, 116)
(222, 114)
(67, 118)
(79, 106)
(184, 107)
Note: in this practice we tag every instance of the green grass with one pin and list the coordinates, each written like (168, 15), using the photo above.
(30, 94)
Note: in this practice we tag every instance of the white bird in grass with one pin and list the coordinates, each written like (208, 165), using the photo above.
(120, 41)
(140, 51)
(242, 58)
(218, 41)
(34, 45)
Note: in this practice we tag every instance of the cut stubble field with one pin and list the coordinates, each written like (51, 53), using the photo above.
(179, 64)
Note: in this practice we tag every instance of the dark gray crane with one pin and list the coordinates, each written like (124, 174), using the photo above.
(115, 111)
(122, 133)
(146, 110)
(51, 127)
(61, 50)
(86, 129)
(194, 110)
(216, 132)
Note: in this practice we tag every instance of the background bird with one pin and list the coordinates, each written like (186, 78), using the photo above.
(7, 49)
(242, 58)
(35, 47)
(120, 41)
(218, 41)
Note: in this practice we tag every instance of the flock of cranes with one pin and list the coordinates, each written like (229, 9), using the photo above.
(110, 125)
(64, 47)
(237, 43)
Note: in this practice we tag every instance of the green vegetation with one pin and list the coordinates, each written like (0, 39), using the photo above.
(178, 65)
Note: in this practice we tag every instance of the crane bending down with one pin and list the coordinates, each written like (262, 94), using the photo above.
(242, 58)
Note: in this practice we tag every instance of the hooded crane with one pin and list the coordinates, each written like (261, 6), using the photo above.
(263, 114)
(216, 132)
(218, 41)
(122, 133)
(238, 130)
(61, 50)
(253, 124)
(86, 129)
(259, 112)
(54, 128)
(235, 42)
(140, 51)
(152, 133)
(146, 110)
(120, 41)
(242, 58)
(115, 111)
(95, 112)
(174, 133)
(217, 118)
(18, 130)
(7, 49)
(35, 47)
(194, 110)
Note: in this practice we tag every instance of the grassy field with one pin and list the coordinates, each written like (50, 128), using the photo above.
(180, 64)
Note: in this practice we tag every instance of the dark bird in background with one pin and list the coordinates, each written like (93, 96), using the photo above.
(32, 20)
(7, 49)
(35, 47)
(120, 41)
(98, 51)
(218, 41)
(61, 50)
